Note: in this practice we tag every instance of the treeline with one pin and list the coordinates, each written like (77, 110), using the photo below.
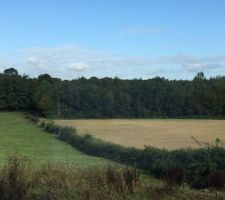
(113, 97)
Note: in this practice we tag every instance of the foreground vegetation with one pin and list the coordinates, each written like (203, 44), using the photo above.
(20, 181)
(113, 98)
(160, 133)
(19, 135)
(199, 168)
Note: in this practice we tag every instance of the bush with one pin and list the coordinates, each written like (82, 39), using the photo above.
(217, 179)
(15, 181)
(32, 118)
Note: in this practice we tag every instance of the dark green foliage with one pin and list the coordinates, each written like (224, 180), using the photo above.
(16, 93)
(113, 97)
(10, 72)
(195, 166)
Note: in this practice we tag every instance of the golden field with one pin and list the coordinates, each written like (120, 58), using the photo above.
(161, 133)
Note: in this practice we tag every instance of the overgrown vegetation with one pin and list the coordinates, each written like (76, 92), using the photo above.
(113, 98)
(19, 181)
(199, 168)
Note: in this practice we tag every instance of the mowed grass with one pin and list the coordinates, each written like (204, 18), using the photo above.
(162, 133)
(22, 137)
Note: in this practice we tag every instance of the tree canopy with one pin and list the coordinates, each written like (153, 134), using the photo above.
(113, 97)
(11, 71)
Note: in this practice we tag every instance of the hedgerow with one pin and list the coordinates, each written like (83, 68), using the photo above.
(195, 165)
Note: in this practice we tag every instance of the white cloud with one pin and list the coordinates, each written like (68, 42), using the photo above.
(202, 66)
(77, 66)
(71, 61)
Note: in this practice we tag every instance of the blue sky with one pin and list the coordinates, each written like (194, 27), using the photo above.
(125, 38)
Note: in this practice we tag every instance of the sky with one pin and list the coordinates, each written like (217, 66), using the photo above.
(128, 39)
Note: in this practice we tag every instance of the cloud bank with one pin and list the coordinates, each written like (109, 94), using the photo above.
(71, 61)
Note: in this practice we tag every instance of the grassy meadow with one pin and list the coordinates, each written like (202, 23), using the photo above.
(162, 133)
(20, 136)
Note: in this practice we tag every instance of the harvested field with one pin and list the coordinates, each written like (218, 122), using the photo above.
(162, 133)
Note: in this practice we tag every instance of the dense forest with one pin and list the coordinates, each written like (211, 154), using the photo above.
(113, 97)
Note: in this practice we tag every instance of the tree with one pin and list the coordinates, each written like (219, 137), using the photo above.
(10, 72)
(107, 102)
(45, 77)
(43, 97)
(111, 98)
(45, 105)
(200, 76)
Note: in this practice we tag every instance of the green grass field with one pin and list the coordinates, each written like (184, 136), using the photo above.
(20, 136)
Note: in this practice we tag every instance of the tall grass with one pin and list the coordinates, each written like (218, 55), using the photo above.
(20, 181)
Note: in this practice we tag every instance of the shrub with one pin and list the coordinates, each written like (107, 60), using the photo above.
(15, 181)
(173, 178)
(54, 182)
(217, 179)
(32, 118)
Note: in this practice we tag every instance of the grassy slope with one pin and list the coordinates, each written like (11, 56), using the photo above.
(20, 136)
(167, 133)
